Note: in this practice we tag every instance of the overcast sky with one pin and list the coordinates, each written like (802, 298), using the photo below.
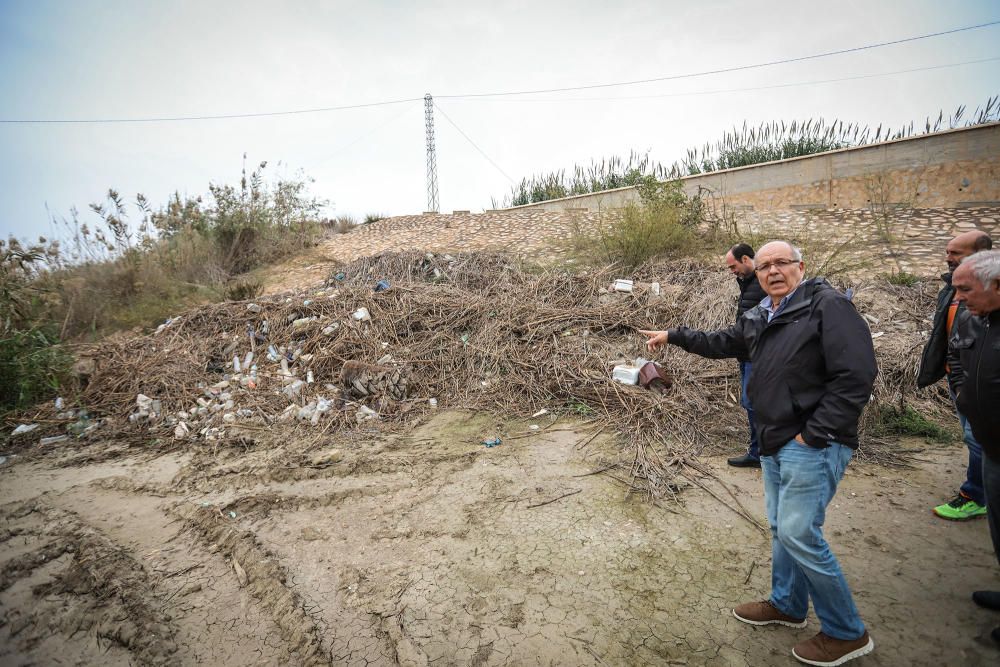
(99, 60)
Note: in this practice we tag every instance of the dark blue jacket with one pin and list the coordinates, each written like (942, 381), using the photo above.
(813, 366)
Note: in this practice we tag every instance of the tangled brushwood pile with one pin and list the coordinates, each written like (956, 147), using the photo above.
(393, 335)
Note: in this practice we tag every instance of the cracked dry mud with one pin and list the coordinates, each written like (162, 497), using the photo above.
(426, 548)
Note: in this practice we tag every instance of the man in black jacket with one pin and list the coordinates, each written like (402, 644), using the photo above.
(813, 371)
(739, 259)
(970, 501)
(974, 348)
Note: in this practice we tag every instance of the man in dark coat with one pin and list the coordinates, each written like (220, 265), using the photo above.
(739, 259)
(970, 501)
(813, 371)
(974, 349)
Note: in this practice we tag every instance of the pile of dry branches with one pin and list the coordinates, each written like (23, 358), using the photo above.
(481, 331)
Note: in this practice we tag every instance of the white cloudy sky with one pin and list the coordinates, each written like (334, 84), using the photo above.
(91, 59)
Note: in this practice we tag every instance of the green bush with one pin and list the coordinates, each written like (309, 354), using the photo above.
(664, 223)
(902, 279)
(32, 366)
(906, 421)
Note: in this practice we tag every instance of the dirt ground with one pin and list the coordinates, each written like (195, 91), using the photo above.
(426, 547)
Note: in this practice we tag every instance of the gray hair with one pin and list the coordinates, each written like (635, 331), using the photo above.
(796, 253)
(985, 266)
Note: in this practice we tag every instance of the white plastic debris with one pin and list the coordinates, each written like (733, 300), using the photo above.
(623, 285)
(433, 402)
(229, 418)
(625, 374)
(59, 404)
(364, 412)
(362, 314)
(254, 307)
(329, 330)
(294, 389)
(53, 440)
(540, 413)
(181, 431)
(144, 402)
(654, 288)
(24, 428)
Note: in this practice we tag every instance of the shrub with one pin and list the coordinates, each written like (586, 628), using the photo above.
(906, 421)
(373, 217)
(664, 223)
(32, 364)
(242, 290)
(902, 279)
(342, 224)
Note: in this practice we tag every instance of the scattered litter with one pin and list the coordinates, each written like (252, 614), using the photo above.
(53, 440)
(876, 335)
(623, 285)
(492, 442)
(59, 404)
(381, 285)
(254, 307)
(534, 427)
(361, 314)
(654, 289)
(181, 431)
(540, 413)
(331, 329)
(653, 379)
(364, 412)
(433, 402)
(626, 374)
(3, 459)
(24, 428)
(232, 515)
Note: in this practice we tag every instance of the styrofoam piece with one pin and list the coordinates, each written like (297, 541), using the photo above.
(626, 374)
(622, 285)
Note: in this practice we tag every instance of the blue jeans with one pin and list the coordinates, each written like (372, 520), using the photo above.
(754, 449)
(799, 483)
(972, 487)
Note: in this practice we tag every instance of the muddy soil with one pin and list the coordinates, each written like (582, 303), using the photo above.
(428, 548)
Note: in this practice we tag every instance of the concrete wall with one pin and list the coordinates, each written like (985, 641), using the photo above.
(953, 169)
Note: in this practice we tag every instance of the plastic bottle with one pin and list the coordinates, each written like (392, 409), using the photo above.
(236, 363)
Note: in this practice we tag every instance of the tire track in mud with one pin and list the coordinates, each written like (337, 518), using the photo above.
(263, 578)
(109, 594)
(167, 575)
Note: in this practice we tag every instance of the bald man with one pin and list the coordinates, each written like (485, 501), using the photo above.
(970, 502)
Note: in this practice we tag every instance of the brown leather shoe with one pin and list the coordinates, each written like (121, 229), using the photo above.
(765, 613)
(825, 651)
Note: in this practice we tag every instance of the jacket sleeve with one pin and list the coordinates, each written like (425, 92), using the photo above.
(849, 357)
(959, 331)
(720, 344)
(932, 359)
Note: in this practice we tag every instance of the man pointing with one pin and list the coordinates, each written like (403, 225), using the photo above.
(813, 371)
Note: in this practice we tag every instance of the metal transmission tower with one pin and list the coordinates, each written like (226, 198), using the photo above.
(432, 168)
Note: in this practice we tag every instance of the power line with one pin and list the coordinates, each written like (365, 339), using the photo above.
(167, 119)
(481, 152)
(742, 90)
(740, 68)
(673, 77)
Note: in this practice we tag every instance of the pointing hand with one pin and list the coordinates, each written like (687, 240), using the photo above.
(656, 339)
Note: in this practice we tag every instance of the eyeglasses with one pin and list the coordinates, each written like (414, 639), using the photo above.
(780, 263)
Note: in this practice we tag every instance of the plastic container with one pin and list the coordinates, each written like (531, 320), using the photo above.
(626, 374)
(622, 285)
